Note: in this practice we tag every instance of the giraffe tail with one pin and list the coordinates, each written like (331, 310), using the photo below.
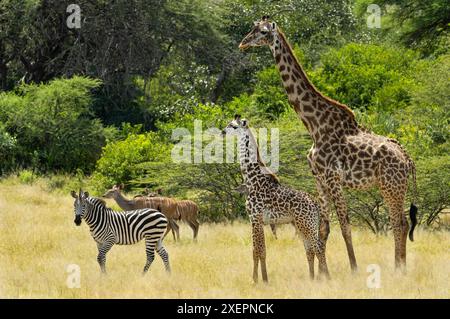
(413, 209)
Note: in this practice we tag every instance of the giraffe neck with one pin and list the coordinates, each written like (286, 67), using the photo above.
(322, 116)
(252, 166)
(124, 203)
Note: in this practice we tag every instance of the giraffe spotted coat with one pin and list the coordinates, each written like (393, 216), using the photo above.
(343, 154)
(269, 202)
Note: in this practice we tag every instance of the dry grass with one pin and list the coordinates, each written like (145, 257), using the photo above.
(38, 239)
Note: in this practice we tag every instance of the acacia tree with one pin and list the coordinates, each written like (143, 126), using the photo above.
(118, 41)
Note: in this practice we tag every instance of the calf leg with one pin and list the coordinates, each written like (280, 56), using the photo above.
(310, 257)
(319, 251)
(259, 248)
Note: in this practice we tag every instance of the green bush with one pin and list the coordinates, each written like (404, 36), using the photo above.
(367, 76)
(53, 124)
(120, 160)
(269, 98)
(8, 150)
(433, 179)
(27, 177)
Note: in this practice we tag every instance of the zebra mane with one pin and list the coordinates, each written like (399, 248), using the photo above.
(97, 201)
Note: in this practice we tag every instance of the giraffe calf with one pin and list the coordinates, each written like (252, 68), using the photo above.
(269, 202)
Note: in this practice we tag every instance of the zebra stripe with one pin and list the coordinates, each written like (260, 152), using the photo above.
(109, 227)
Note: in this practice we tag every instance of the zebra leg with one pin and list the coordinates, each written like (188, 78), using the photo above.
(150, 251)
(164, 255)
(101, 258)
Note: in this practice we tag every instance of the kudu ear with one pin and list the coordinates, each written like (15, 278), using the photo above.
(74, 194)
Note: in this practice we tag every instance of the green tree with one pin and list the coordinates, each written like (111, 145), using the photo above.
(53, 124)
(120, 160)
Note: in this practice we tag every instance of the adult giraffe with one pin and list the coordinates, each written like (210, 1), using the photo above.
(343, 154)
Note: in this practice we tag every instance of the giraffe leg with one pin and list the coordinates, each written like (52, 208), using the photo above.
(395, 199)
(273, 227)
(164, 255)
(324, 228)
(320, 253)
(310, 256)
(259, 249)
(335, 192)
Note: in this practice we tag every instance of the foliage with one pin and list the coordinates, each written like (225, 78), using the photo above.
(27, 177)
(367, 76)
(53, 124)
(119, 159)
(434, 188)
(8, 150)
(423, 25)
(110, 102)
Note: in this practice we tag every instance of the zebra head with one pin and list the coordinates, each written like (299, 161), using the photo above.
(80, 205)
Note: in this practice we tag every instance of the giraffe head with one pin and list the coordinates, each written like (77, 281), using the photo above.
(114, 192)
(79, 205)
(263, 33)
(235, 126)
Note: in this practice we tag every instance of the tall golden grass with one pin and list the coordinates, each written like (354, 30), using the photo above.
(38, 240)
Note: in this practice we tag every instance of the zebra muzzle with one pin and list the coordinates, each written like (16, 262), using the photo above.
(77, 220)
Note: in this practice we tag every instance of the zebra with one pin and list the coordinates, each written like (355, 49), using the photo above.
(109, 227)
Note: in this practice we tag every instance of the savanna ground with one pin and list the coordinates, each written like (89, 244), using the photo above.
(38, 240)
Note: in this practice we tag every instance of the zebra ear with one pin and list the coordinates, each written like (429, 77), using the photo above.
(74, 194)
(85, 194)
